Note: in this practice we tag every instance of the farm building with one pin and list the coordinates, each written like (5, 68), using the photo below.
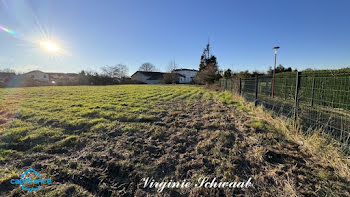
(148, 77)
(188, 75)
(157, 77)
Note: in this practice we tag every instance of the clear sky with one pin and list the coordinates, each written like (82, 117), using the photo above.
(312, 33)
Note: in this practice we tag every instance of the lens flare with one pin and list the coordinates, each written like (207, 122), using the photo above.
(47, 44)
(8, 30)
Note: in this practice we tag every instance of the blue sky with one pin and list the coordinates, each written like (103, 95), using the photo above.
(312, 34)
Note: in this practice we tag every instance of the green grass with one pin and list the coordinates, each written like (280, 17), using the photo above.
(84, 135)
(256, 124)
(58, 118)
(31, 119)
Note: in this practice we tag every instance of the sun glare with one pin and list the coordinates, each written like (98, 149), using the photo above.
(50, 46)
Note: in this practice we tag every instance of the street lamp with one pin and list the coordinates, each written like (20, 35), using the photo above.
(274, 71)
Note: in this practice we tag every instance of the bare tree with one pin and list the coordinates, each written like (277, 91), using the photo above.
(147, 67)
(7, 70)
(172, 66)
(171, 78)
(117, 71)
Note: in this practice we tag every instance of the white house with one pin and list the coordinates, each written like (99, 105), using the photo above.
(42, 78)
(63, 78)
(188, 75)
(37, 75)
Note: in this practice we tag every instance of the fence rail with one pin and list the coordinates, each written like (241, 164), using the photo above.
(312, 100)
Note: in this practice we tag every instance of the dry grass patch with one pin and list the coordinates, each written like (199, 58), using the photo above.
(324, 149)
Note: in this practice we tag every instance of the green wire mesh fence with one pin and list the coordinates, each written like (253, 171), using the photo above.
(314, 100)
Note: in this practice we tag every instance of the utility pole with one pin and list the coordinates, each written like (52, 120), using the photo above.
(274, 71)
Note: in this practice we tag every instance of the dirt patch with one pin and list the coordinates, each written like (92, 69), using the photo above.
(281, 158)
(184, 141)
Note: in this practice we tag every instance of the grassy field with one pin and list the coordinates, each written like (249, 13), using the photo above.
(102, 140)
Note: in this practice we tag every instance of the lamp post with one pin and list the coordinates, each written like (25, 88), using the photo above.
(274, 71)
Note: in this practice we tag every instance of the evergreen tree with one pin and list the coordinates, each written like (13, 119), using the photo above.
(228, 74)
(208, 68)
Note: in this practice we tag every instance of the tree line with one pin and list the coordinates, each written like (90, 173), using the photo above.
(107, 75)
(209, 71)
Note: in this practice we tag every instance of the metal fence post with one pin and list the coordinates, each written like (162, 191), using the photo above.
(230, 85)
(272, 86)
(296, 96)
(285, 89)
(256, 89)
(313, 92)
(240, 86)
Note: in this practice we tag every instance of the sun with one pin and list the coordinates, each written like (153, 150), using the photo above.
(50, 46)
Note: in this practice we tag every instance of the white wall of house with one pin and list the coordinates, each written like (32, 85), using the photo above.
(182, 79)
(63, 77)
(38, 76)
(189, 75)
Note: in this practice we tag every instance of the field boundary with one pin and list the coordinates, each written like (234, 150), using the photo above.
(312, 101)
